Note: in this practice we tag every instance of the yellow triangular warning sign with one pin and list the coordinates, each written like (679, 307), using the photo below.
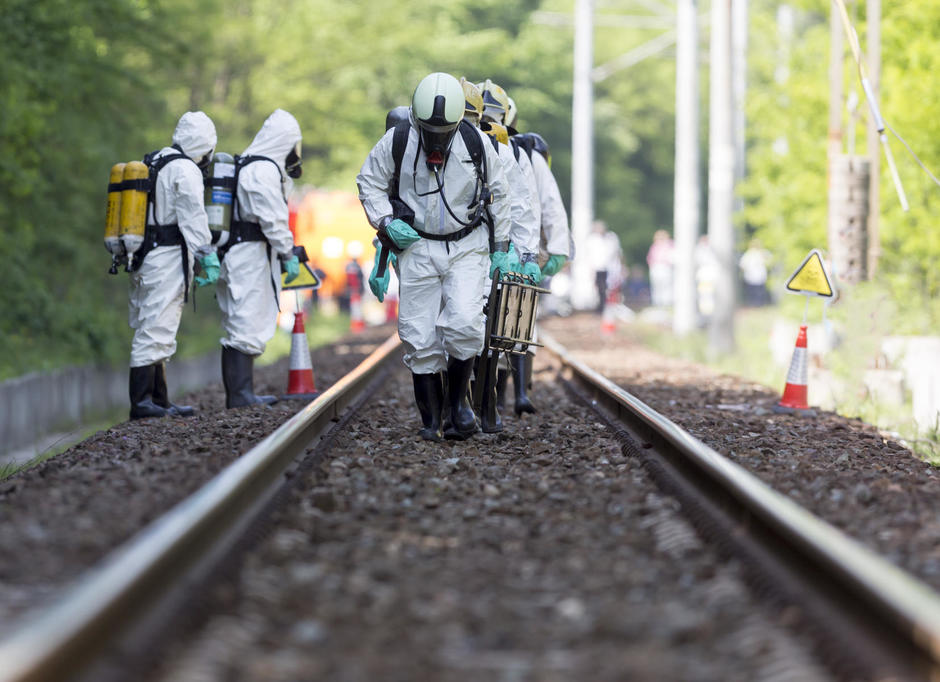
(305, 280)
(811, 278)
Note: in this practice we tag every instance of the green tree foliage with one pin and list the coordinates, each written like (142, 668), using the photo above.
(82, 88)
(86, 84)
(788, 103)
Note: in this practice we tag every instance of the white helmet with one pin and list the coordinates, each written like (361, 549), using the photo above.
(511, 113)
(437, 107)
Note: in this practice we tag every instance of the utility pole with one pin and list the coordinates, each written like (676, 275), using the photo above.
(873, 21)
(721, 179)
(582, 153)
(836, 52)
(739, 25)
(686, 193)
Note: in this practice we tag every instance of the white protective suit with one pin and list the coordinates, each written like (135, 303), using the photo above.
(524, 232)
(556, 236)
(250, 281)
(157, 287)
(441, 282)
(528, 174)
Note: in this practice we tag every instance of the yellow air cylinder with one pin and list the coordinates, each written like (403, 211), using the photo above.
(112, 222)
(134, 206)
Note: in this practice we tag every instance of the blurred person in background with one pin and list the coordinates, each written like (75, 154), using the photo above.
(706, 275)
(753, 265)
(660, 259)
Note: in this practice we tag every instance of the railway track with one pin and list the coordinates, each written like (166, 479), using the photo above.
(871, 621)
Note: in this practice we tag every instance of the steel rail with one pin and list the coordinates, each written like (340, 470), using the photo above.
(61, 641)
(896, 605)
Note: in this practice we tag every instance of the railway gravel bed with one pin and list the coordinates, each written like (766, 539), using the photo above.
(843, 470)
(59, 518)
(541, 553)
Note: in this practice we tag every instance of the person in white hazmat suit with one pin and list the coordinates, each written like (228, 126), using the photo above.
(524, 232)
(444, 257)
(176, 236)
(524, 228)
(250, 280)
(556, 246)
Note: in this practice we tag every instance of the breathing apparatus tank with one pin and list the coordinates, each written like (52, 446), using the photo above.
(112, 226)
(220, 189)
(134, 206)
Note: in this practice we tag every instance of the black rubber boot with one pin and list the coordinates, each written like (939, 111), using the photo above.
(141, 393)
(162, 398)
(502, 380)
(490, 421)
(429, 395)
(463, 423)
(518, 364)
(238, 377)
(445, 402)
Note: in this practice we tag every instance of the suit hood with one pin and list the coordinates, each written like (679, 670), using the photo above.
(276, 138)
(195, 134)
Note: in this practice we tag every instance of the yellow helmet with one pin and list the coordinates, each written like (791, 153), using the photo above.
(495, 101)
(495, 130)
(473, 101)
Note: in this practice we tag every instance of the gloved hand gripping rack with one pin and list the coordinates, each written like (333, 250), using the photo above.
(510, 325)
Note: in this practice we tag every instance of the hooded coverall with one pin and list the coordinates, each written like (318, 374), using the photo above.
(157, 287)
(250, 278)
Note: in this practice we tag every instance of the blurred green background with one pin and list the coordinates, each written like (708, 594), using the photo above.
(87, 83)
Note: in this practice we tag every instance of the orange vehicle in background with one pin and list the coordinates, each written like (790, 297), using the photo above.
(332, 227)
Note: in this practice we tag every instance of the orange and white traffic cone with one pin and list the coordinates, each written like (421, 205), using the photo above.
(300, 373)
(356, 322)
(607, 314)
(795, 391)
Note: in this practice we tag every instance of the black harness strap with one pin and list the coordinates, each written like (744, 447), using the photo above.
(400, 209)
(450, 236)
(156, 234)
(242, 230)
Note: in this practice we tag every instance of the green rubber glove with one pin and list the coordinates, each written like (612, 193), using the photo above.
(532, 270)
(379, 285)
(401, 233)
(210, 266)
(500, 260)
(555, 263)
(514, 264)
(292, 268)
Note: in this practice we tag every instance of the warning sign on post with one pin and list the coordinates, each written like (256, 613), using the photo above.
(811, 278)
(307, 279)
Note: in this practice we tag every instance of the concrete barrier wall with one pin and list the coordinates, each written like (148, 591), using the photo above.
(35, 405)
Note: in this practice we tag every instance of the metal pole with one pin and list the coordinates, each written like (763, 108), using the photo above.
(583, 295)
(721, 179)
(739, 25)
(686, 199)
(834, 148)
(873, 21)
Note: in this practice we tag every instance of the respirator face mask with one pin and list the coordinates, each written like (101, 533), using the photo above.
(436, 145)
(293, 163)
(204, 162)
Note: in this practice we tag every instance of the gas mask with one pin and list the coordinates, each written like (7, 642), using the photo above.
(204, 162)
(436, 144)
(293, 163)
